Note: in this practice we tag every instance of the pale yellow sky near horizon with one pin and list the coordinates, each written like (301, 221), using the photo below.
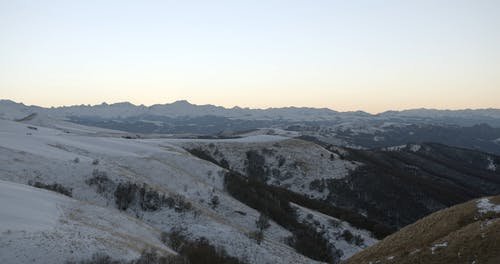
(345, 56)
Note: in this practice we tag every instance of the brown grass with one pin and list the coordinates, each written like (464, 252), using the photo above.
(471, 236)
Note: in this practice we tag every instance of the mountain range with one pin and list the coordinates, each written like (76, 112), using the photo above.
(183, 108)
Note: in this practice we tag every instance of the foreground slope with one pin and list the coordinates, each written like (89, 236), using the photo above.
(466, 233)
(39, 226)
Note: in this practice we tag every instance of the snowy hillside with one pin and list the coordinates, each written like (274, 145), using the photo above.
(96, 168)
(294, 164)
(38, 226)
(346, 238)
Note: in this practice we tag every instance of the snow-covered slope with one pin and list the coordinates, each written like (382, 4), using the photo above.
(294, 164)
(346, 238)
(39, 226)
(93, 167)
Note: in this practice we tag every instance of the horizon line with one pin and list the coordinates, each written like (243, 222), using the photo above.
(249, 108)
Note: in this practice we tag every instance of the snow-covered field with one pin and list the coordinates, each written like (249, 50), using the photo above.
(39, 226)
(50, 155)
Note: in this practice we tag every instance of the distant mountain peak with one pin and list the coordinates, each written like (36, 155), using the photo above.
(123, 104)
(182, 102)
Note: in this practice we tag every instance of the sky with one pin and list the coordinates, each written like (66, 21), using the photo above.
(344, 55)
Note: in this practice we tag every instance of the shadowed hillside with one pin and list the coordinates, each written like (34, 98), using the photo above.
(466, 233)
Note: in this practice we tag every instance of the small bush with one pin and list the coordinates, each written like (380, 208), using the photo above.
(214, 202)
(263, 222)
(143, 197)
(176, 239)
(124, 195)
(358, 240)
(348, 236)
(317, 185)
(101, 180)
(281, 161)
(152, 257)
(55, 187)
(198, 251)
(258, 236)
(334, 223)
(202, 154)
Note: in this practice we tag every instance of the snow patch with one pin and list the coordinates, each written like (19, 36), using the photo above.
(415, 251)
(415, 147)
(485, 206)
(437, 246)
(491, 165)
(395, 148)
(411, 147)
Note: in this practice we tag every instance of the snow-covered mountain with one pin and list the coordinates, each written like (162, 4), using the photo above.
(177, 109)
(10, 109)
(170, 188)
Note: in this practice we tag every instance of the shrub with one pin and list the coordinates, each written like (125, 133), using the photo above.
(146, 198)
(124, 195)
(257, 235)
(281, 161)
(152, 257)
(199, 251)
(317, 185)
(101, 180)
(214, 202)
(348, 236)
(263, 222)
(55, 187)
(312, 244)
(202, 154)
(358, 240)
(334, 223)
(180, 204)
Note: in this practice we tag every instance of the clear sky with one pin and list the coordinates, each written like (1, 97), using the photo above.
(344, 55)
